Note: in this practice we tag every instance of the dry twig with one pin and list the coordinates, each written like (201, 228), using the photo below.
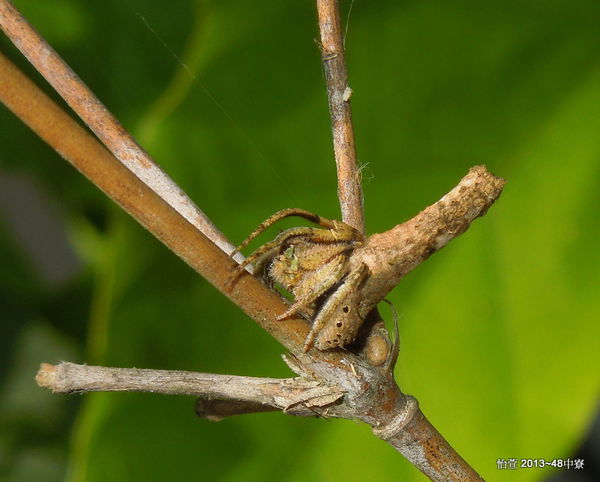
(338, 93)
(293, 396)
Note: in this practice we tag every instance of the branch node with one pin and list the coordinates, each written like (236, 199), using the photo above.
(391, 429)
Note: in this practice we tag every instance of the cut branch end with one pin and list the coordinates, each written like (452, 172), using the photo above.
(46, 376)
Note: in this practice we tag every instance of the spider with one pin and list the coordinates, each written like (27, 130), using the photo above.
(312, 264)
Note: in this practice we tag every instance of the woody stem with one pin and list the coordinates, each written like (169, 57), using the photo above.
(338, 92)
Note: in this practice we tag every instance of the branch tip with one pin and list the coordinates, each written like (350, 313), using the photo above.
(46, 376)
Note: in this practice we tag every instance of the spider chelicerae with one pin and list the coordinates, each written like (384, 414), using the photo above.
(313, 265)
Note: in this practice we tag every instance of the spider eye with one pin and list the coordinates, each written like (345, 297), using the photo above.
(345, 309)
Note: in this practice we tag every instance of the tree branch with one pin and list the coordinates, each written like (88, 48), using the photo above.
(96, 116)
(387, 268)
(338, 92)
(393, 254)
(370, 393)
(373, 335)
(281, 394)
(413, 436)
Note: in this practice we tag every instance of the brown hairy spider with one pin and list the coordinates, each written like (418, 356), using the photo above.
(312, 264)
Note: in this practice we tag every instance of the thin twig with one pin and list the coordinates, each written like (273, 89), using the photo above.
(332, 42)
(338, 93)
(286, 394)
(99, 119)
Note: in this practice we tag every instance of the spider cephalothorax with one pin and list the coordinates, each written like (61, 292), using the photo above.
(312, 264)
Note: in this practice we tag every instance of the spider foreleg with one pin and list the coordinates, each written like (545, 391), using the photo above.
(286, 213)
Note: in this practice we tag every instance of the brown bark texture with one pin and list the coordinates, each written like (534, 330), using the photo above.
(338, 92)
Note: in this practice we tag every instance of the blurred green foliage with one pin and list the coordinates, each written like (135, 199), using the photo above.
(499, 331)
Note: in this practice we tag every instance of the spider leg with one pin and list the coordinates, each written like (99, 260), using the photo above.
(286, 213)
(261, 265)
(337, 298)
(328, 275)
(239, 269)
(265, 248)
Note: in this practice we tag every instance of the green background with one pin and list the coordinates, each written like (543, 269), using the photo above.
(499, 331)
